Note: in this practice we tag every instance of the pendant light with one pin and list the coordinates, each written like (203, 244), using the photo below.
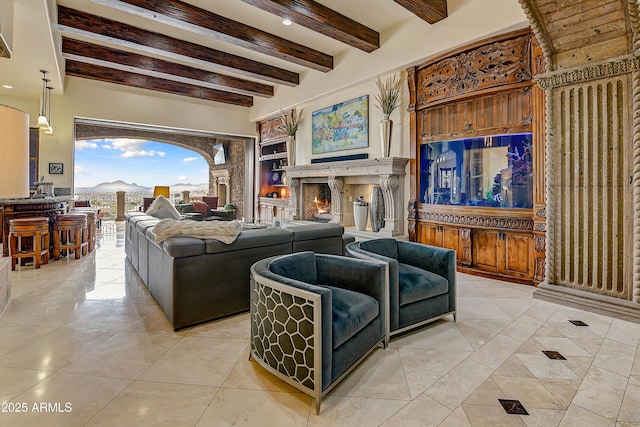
(43, 123)
(49, 129)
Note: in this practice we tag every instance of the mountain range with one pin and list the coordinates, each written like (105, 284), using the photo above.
(120, 185)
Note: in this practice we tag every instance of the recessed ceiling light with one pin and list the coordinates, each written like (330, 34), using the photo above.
(287, 22)
(7, 86)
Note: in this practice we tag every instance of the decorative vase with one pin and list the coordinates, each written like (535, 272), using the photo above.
(377, 209)
(360, 214)
(386, 126)
(291, 151)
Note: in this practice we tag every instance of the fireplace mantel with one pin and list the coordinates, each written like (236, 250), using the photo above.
(387, 172)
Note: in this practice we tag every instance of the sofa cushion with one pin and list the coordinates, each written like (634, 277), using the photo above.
(351, 312)
(142, 226)
(300, 266)
(417, 284)
(162, 208)
(315, 231)
(250, 239)
(180, 247)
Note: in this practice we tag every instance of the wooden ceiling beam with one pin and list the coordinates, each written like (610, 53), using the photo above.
(323, 20)
(431, 11)
(110, 75)
(200, 21)
(90, 53)
(106, 30)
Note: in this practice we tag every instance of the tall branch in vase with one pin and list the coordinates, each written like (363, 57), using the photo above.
(291, 122)
(388, 98)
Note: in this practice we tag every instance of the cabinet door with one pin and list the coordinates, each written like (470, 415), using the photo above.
(451, 239)
(518, 251)
(487, 250)
(428, 234)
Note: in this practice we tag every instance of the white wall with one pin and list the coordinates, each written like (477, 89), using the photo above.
(96, 100)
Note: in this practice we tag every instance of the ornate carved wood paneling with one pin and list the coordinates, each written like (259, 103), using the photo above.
(483, 89)
(507, 112)
(496, 64)
(591, 189)
(271, 129)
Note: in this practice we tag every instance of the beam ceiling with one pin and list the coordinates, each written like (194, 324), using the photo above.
(191, 18)
(90, 53)
(323, 20)
(431, 11)
(108, 31)
(105, 74)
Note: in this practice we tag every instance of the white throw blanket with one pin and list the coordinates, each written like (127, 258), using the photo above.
(224, 231)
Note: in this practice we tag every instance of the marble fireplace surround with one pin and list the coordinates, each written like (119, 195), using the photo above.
(388, 172)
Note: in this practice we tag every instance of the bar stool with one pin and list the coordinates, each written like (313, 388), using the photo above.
(70, 233)
(91, 224)
(37, 230)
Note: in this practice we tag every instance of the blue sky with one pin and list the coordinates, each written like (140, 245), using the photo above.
(146, 163)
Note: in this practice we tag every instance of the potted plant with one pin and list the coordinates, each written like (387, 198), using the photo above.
(291, 122)
(388, 98)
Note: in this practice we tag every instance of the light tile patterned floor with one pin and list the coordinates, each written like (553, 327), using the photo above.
(87, 334)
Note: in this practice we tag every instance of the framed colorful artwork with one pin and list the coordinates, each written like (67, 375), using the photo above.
(343, 126)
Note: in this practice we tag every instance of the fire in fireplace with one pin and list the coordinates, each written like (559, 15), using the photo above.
(317, 202)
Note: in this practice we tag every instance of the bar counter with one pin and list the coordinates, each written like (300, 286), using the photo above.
(21, 208)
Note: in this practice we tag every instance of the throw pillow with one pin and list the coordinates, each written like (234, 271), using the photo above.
(162, 208)
(201, 207)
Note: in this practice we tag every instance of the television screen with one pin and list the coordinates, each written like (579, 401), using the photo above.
(218, 154)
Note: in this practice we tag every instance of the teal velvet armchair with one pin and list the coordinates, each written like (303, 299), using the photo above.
(314, 317)
(422, 280)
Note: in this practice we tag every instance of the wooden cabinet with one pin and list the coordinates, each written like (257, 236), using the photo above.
(477, 136)
(491, 252)
(444, 236)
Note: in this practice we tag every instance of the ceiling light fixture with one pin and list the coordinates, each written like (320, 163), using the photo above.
(7, 86)
(43, 123)
(287, 22)
(49, 129)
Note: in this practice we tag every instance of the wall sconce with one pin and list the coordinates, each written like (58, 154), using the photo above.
(14, 153)
(43, 122)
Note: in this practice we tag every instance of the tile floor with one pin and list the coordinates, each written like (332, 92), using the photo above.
(85, 342)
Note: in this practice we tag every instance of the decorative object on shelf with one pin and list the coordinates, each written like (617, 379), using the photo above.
(56, 168)
(343, 126)
(360, 213)
(377, 209)
(291, 122)
(388, 97)
(275, 177)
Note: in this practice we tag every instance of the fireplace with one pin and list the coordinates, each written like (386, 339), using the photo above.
(346, 180)
(316, 202)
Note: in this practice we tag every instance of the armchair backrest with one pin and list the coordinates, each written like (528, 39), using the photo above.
(385, 247)
(298, 266)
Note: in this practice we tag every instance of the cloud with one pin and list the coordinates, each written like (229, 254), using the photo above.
(141, 153)
(80, 169)
(131, 148)
(182, 177)
(81, 145)
(190, 159)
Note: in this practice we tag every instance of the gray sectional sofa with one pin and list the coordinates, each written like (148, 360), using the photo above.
(196, 280)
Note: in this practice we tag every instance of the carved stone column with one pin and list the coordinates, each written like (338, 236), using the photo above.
(389, 184)
(336, 184)
(294, 195)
